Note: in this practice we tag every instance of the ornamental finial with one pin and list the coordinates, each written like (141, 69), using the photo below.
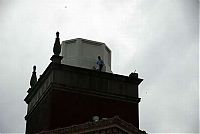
(56, 58)
(33, 80)
(34, 68)
(57, 47)
(57, 34)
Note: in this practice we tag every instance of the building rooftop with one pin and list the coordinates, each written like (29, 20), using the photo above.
(70, 77)
(113, 125)
(83, 53)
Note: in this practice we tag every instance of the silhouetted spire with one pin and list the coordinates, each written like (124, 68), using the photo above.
(57, 47)
(33, 80)
(56, 50)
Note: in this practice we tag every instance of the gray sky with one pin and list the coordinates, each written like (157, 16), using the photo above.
(158, 38)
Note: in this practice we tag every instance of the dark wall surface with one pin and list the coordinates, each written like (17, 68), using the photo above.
(72, 108)
(60, 108)
(40, 118)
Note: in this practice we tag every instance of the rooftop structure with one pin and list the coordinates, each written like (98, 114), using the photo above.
(83, 53)
(67, 95)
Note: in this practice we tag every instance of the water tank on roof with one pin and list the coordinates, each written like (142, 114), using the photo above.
(83, 53)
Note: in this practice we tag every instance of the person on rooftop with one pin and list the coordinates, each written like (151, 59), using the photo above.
(100, 64)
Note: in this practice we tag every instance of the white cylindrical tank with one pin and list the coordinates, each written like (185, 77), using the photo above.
(83, 53)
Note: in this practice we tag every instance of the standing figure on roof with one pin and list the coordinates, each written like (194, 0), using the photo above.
(100, 64)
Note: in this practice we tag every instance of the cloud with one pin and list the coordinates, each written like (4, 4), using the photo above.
(157, 38)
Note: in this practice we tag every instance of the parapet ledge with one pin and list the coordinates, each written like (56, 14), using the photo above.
(78, 70)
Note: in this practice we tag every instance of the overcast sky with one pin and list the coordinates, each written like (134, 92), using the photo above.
(158, 38)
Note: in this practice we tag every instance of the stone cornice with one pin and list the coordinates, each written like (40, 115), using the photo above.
(97, 93)
(53, 66)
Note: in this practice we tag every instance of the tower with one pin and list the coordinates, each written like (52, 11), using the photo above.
(70, 91)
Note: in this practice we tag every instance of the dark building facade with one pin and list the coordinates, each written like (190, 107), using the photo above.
(66, 95)
(113, 125)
